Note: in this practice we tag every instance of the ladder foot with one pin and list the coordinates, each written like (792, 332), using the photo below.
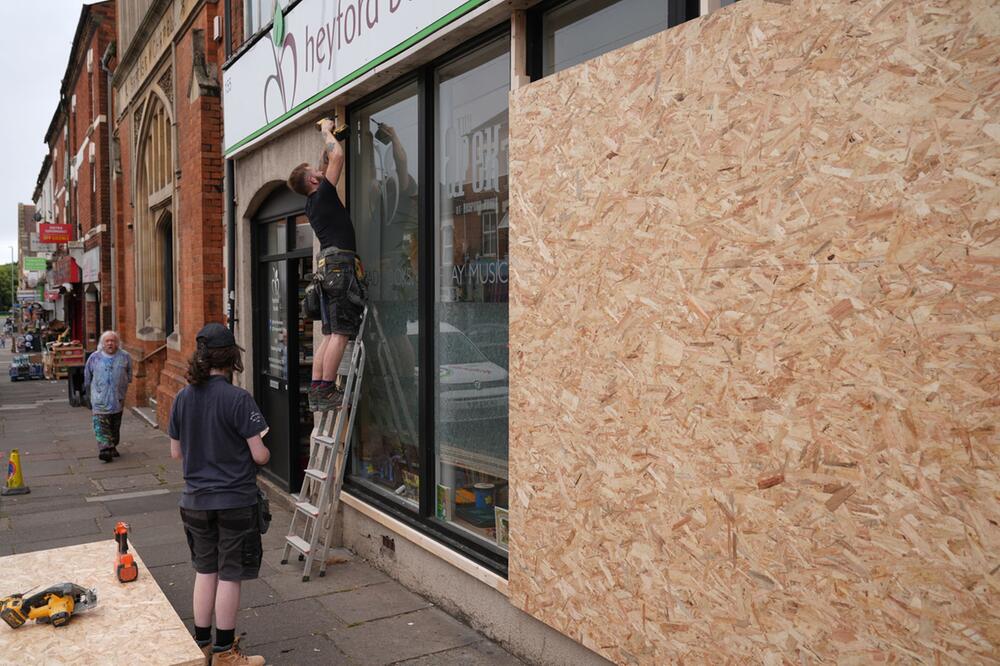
(305, 579)
(285, 561)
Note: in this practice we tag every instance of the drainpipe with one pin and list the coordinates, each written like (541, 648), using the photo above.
(109, 53)
(230, 195)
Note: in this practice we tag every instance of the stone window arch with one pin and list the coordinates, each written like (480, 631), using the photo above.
(155, 232)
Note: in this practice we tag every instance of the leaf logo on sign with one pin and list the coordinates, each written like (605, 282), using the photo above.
(278, 28)
(279, 88)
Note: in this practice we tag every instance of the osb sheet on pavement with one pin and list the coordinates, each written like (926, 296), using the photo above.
(132, 623)
(755, 338)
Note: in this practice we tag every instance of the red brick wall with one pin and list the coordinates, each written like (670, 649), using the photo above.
(199, 195)
(198, 218)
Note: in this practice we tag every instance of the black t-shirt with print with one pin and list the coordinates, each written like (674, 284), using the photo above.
(329, 219)
(213, 422)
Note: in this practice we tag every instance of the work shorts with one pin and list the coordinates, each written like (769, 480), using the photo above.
(342, 291)
(224, 541)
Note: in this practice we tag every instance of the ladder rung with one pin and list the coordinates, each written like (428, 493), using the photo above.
(299, 544)
(325, 440)
(307, 508)
(317, 474)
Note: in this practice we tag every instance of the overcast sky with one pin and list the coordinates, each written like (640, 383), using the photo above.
(34, 52)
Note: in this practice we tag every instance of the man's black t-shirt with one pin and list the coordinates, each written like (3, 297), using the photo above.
(213, 423)
(329, 219)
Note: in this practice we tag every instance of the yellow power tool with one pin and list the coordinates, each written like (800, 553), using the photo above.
(53, 605)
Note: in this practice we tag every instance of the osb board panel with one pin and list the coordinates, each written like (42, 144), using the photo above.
(132, 623)
(754, 339)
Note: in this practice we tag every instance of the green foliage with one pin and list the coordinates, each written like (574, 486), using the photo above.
(5, 294)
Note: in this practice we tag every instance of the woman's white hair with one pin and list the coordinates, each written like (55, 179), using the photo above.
(107, 334)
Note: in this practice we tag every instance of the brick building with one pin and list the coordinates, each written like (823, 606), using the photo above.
(168, 188)
(78, 166)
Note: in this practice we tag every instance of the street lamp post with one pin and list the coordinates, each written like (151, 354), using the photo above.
(13, 290)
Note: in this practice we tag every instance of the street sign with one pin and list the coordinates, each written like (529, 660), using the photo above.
(55, 233)
(35, 264)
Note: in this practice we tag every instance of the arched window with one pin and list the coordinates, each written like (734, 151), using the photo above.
(156, 302)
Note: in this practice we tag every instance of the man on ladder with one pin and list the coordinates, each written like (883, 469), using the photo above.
(339, 274)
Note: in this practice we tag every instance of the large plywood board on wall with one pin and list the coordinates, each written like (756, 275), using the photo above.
(132, 623)
(755, 339)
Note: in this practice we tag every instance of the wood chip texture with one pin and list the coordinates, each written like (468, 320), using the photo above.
(132, 623)
(763, 242)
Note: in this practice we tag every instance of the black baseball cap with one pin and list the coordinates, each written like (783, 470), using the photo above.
(215, 336)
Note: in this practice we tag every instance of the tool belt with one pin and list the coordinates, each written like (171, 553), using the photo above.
(339, 276)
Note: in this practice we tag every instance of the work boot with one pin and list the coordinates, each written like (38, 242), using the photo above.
(207, 651)
(114, 452)
(105, 455)
(329, 399)
(312, 398)
(235, 657)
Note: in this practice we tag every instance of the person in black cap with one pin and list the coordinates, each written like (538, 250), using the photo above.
(216, 432)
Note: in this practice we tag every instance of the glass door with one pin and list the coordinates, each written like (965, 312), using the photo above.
(283, 339)
(272, 377)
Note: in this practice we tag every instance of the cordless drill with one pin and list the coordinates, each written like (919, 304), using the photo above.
(340, 133)
(125, 567)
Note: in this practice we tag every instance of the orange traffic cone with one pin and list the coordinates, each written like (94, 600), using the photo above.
(15, 480)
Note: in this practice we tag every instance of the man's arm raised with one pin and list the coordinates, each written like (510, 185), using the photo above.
(333, 153)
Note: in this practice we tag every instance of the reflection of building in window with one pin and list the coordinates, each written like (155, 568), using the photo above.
(156, 305)
(489, 222)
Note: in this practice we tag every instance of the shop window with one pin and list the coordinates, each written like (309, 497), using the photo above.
(570, 32)
(470, 345)
(385, 200)
(428, 196)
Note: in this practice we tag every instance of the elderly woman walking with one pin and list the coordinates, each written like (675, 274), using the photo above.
(107, 376)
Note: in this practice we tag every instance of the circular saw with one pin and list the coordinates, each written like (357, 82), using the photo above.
(54, 605)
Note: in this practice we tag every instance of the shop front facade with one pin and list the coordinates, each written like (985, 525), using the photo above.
(427, 185)
(541, 343)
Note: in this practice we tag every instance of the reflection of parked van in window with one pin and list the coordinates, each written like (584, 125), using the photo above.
(473, 388)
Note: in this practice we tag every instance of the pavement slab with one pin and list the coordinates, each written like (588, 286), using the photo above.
(52, 530)
(403, 637)
(285, 620)
(129, 482)
(483, 653)
(373, 602)
(339, 577)
(313, 650)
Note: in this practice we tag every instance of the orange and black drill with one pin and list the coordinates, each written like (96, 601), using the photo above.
(125, 567)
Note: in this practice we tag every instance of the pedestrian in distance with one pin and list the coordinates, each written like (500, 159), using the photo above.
(339, 273)
(106, 377)
(216, 432)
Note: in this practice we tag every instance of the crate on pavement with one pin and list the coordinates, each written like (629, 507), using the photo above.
(60, 357)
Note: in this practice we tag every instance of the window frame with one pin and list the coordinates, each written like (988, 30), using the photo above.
(424, 517)
(678, 11)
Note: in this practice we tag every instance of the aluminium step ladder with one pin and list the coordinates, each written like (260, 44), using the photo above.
(311, 529)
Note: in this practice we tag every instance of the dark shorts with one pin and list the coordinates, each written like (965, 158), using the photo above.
(224, 541)
(342, 294)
